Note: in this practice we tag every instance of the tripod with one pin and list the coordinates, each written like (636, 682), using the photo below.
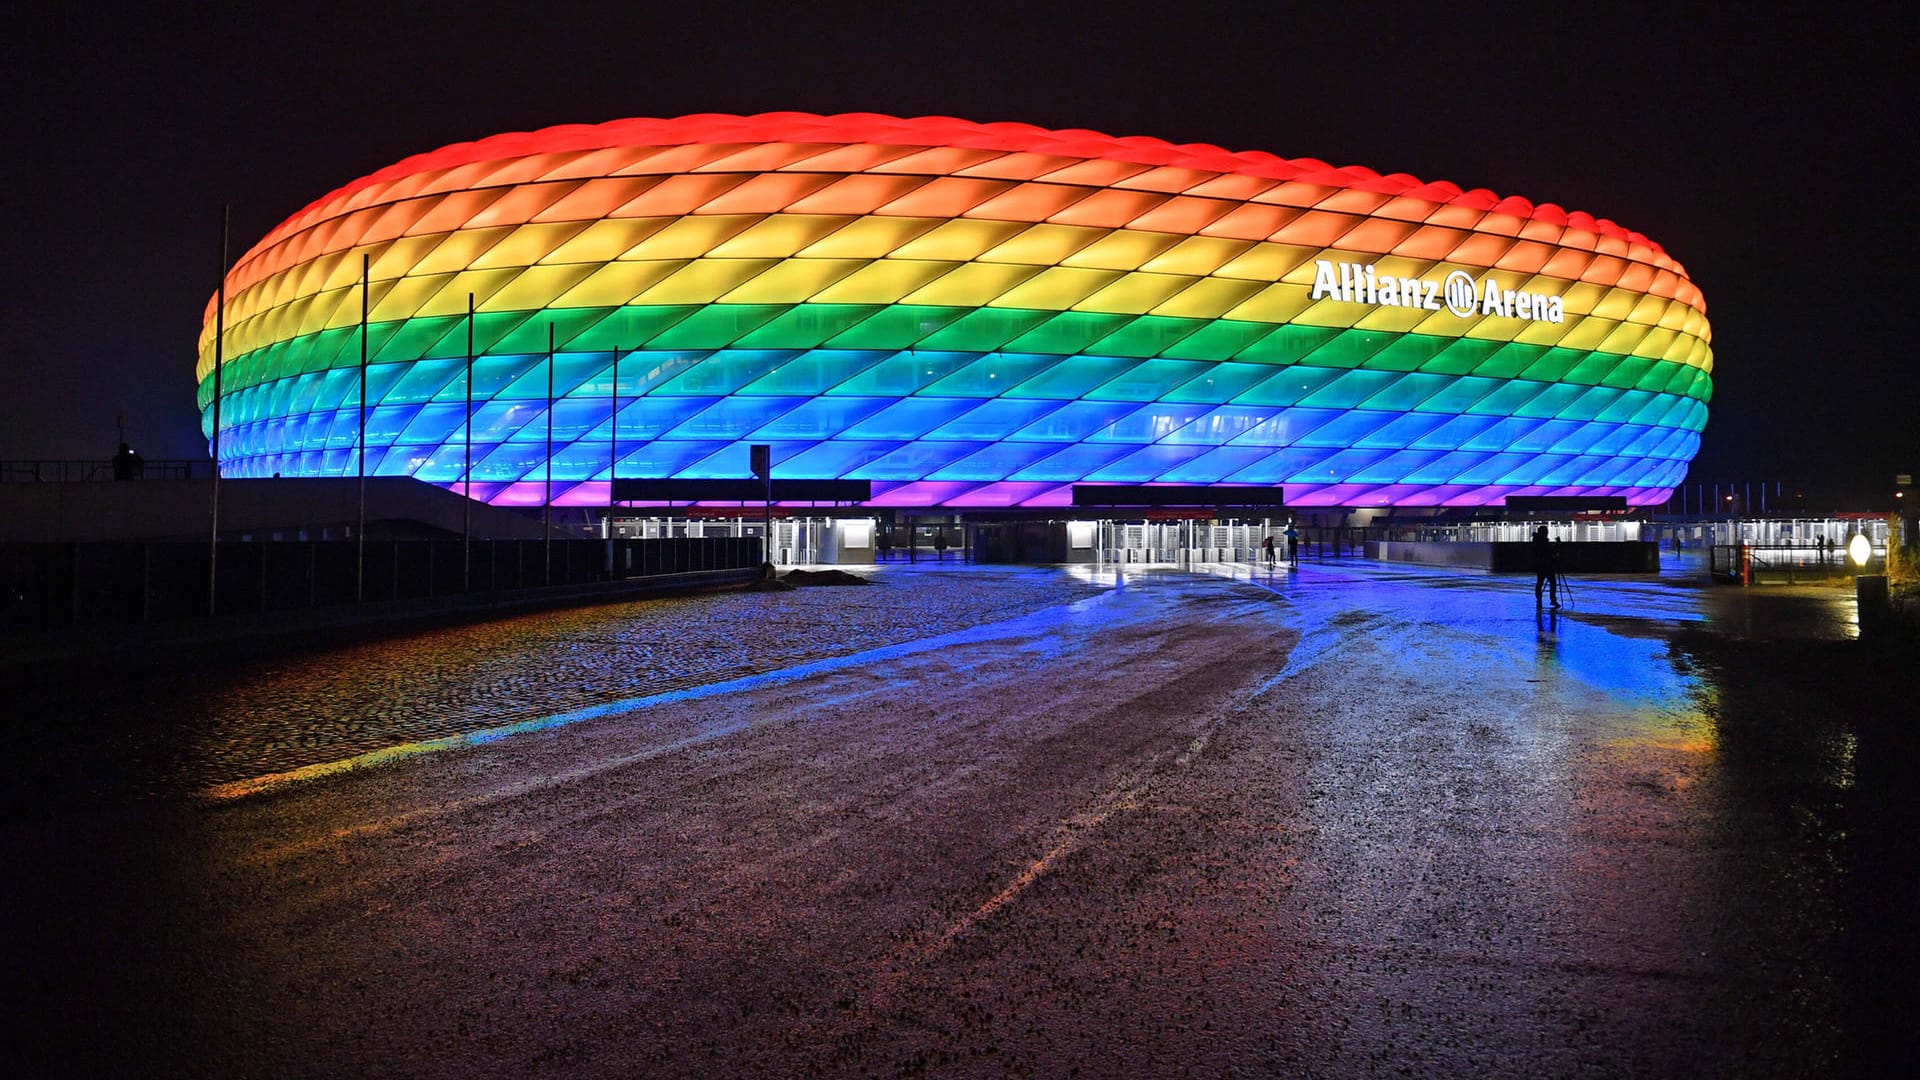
(1561, 587)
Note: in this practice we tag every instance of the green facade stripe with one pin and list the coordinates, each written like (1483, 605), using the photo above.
(951, 329)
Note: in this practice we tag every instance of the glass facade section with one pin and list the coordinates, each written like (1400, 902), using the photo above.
(963, 314)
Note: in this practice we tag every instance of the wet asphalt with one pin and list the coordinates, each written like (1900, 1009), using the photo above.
(1349, 820)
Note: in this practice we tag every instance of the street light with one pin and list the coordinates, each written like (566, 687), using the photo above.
(1860, 549)
(1869, 590)
(1742, 563)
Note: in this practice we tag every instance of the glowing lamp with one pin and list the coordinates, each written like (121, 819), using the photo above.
(1860, 549)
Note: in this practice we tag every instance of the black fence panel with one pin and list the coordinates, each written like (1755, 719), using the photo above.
(52, 586)
(176, 581)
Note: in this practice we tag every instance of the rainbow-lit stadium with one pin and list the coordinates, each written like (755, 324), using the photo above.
(966, 315)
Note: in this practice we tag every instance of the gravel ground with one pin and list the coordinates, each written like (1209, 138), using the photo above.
(180, 732)
(1352, 821)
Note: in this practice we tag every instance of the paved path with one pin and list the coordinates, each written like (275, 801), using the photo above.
(1350, 821)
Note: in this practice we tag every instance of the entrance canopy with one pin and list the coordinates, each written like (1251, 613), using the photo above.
(1205, 495)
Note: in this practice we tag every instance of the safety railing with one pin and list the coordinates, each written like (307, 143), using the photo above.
(73, 471)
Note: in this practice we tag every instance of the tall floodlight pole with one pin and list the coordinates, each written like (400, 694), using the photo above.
(613, 451)
(466, 470)
(219, 361)
(360, 519)
(760, 462)
(546, 510)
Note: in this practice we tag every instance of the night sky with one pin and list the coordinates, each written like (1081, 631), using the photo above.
(1771, 156)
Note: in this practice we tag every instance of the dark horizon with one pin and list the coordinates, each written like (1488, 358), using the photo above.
(1748, 149)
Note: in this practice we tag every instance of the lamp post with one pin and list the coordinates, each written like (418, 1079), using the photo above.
(1869, 590)
(1742, 565)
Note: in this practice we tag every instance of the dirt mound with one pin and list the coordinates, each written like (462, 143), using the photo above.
(823, 577)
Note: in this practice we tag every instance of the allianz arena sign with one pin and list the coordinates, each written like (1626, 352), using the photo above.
(1459, 293)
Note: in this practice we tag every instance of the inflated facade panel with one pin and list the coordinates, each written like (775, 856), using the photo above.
(965, 314)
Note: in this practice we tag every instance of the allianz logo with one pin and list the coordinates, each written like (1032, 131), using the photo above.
(1354, 283)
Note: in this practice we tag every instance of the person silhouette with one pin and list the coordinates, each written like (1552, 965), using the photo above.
(1544, 579)
(127, 464)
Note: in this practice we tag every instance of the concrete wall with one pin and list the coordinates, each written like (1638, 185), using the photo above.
(1433, 553)
(1516, 557)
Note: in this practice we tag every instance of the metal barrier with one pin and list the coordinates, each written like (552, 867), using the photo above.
(70, 471)
(1779, 564)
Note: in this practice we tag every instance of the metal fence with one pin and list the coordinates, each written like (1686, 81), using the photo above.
(53, 586)
(70, 471)
(1785, 564)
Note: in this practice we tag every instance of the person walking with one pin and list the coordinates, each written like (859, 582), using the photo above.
(1544, 578)
(1293, 546)
(1266, 550)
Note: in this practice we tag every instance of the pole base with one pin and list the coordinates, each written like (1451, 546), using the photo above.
(1871, 601)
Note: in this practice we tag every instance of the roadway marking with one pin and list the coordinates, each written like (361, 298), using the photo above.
(1078, 828)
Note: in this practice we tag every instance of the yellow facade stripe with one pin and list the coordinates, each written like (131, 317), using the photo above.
(691, 237)
(896, 281)
(1207, 298)
(452, 297)
(970, 284)
(341, 307)
(1615, 304)
(1276, 303)
(703, 281)
(883, 281)
(724, 235)
(780, 236)
(1625, 338)
(460, 250)
(1269, 262)
(535, 287)
(1493, 328)
(1121, 249)
(1394, 319)
(403, 256)
(1587, 334)
(1134, 294)
(617, 283)
(1544, 333)
(1648, 309)
(1656, 344)
(1198, 255)
(1057, 288)
(405, 297)
(1042, 245)
(791, 281)
(604, 241)
(528, 244)
(959, 240)
(869, 238)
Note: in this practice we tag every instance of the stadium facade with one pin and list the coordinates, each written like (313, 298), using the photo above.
(966, 315)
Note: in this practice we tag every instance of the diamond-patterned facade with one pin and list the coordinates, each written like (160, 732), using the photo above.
(964, 314)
